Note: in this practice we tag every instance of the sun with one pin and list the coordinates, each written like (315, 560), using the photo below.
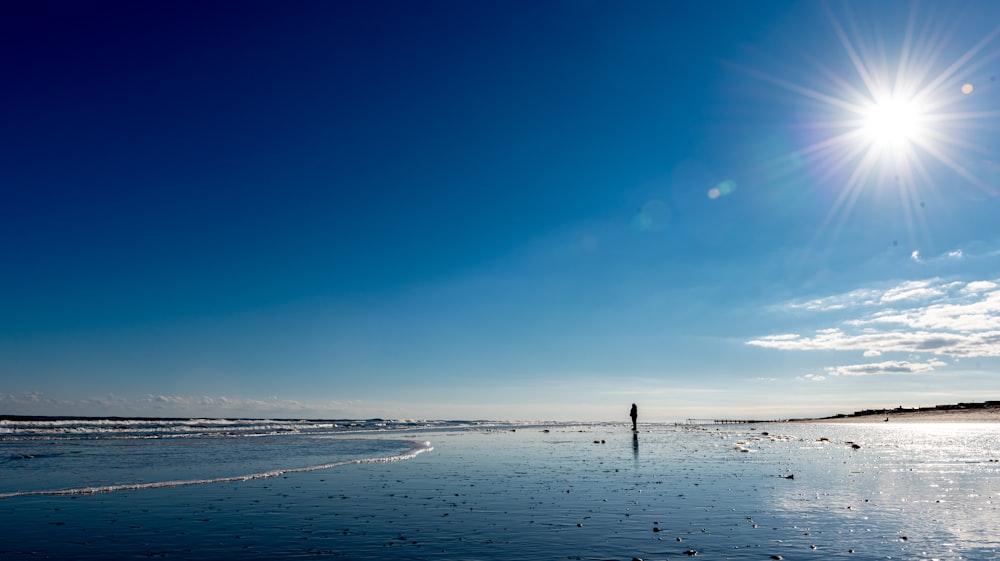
(893, 122)
(897, 116)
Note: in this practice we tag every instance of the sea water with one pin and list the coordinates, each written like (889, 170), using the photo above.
(499, 491)
(86, 455)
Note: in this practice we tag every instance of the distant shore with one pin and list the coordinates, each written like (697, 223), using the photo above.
(979, 415)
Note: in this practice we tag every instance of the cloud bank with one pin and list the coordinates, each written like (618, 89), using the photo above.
(174, 406)
(945, 318)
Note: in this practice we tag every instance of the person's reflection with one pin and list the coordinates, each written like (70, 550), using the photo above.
(635, 445)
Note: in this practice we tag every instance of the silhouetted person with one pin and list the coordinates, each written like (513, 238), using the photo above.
(634, 413)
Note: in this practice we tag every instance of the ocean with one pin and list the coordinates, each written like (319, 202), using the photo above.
(69, 456)
(450, 490)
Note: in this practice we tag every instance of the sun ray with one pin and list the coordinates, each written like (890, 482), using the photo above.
(903, 70)
(963, 61)
(859, 65)
(896, 117)
(959, 169)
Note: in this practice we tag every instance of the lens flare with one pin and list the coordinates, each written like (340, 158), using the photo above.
(653, 216)
(724, 188)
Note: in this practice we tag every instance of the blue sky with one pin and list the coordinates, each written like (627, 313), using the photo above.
(508, 210)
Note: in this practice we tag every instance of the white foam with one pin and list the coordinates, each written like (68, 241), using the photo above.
(154, 428)
(418, 448)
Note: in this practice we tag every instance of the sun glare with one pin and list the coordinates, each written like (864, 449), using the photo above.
(899, 116)
(892, 122)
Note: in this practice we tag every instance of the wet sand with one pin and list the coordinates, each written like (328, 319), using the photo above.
(571, 493)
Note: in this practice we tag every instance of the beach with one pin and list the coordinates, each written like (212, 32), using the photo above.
(977, 415)
(794, 490)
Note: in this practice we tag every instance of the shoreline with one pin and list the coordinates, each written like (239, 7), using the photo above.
(978, 415)
(567, 492)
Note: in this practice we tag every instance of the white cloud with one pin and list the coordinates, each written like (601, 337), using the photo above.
(812, 378)
(980, 286)
(915, 255)
(956, 254)
(887, 367)
(785, 337)
(864, 297)
(985, 344)
(911, 290)
(944, 318)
